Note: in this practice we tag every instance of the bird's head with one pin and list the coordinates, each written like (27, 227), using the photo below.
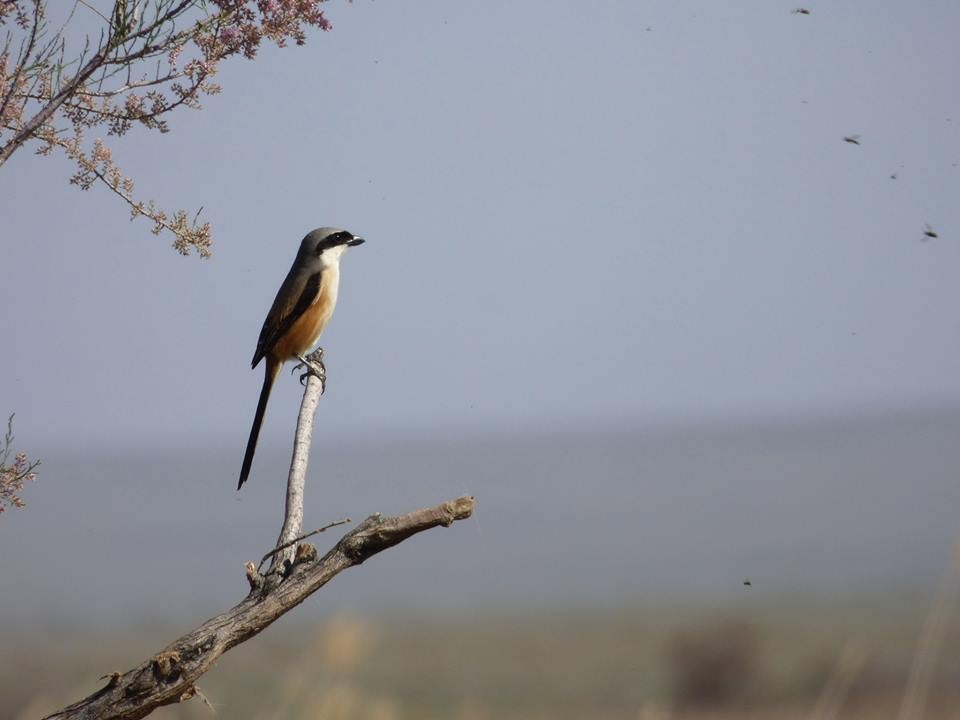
(326, 245)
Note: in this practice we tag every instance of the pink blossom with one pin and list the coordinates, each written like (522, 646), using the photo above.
(230, 35)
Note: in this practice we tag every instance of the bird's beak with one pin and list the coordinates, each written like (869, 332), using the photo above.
(356, 241)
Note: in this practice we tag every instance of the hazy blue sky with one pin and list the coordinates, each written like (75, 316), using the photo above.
(575, 211)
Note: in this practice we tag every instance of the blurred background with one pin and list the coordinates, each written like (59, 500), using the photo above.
(624, 282)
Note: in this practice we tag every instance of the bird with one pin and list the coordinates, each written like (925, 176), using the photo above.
(298, 316)
(852, 139)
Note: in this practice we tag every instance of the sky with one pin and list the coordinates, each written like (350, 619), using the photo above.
(577, 215)
(642, 211)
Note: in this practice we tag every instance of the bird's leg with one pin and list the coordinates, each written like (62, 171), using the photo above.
(314, 364)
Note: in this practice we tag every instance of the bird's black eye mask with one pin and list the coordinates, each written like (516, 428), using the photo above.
(338, 238)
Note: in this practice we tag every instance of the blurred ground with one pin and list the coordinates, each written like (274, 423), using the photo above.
(772, 658)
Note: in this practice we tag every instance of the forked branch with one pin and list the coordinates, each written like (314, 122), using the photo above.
(170, 676)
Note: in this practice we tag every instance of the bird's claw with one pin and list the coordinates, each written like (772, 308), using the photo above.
(314, 365)
(323, 380)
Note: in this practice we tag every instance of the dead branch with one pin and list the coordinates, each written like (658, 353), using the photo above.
(296, 478)
(297, 539)
(170, 676)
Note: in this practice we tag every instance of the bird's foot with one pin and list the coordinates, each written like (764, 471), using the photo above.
(314, 365)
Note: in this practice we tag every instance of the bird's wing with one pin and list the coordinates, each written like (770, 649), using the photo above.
(295, 295)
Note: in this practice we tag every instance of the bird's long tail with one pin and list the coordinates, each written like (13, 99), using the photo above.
(272, 369)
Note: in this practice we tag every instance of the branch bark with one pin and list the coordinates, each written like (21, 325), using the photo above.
(170, 676)
(293, 510)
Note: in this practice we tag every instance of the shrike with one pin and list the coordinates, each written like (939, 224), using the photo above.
(299, 314)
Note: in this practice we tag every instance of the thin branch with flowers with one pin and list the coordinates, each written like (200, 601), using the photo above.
(13, 475)
(151, 58)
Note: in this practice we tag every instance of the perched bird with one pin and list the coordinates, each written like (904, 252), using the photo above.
(299, 314)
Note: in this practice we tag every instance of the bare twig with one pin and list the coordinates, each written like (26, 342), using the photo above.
(206, 701)
(293, 511)
(170, 676)
(277, 549)
(91, 7)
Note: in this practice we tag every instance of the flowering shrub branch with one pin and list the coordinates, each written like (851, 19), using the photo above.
(152, 57)
(13, 475)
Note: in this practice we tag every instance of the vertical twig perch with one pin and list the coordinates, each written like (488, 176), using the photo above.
(293, 511)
